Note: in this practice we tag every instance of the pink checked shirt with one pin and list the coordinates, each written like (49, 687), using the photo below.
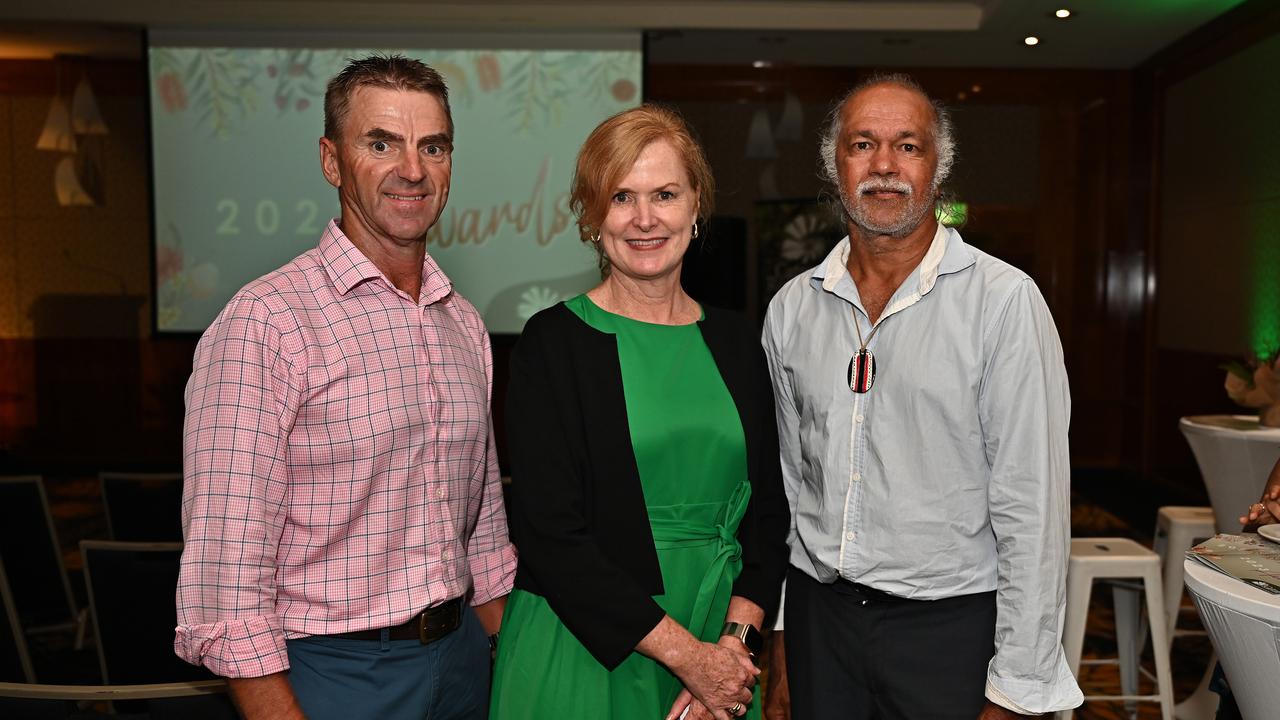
(339, 464)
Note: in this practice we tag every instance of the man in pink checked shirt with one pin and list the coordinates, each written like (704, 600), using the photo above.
(346, 545)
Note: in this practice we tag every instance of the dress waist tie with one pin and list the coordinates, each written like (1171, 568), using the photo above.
(723, 530)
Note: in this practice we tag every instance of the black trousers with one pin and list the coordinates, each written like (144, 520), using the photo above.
(858, 654)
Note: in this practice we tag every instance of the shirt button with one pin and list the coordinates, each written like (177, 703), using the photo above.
(442, 491)
(444, 555)
(857, 477)
(858, 418)
(848, 536)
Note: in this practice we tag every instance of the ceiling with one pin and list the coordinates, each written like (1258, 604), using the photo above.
(899, 33)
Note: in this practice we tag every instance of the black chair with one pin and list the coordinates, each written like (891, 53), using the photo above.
(131, 595)
(143, 507)
(33, 558)
(15, 662)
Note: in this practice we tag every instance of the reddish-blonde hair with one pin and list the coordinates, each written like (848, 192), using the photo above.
(615, 145)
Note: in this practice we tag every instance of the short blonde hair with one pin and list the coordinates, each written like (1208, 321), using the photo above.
(613, 148)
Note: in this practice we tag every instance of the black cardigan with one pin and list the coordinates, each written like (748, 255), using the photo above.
(577, 511)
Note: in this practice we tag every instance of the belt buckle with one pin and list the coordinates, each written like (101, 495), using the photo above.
(432, 621)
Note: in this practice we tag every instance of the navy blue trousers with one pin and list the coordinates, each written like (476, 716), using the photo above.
(342, 679)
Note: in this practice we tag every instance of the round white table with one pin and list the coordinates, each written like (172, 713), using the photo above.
(1235, 455)
(1244, 624)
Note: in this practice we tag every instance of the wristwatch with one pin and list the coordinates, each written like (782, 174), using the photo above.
(747, 633)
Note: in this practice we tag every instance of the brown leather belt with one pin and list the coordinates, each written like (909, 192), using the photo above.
(426, 627)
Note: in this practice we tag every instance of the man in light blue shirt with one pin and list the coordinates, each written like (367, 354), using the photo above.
(923, 410)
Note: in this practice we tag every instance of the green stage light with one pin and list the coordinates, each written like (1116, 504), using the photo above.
(1264, 304)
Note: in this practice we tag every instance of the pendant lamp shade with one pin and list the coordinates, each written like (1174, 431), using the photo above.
(57, 134)
(791, 125)
(760, 137)
(85, 118)
(67, 184)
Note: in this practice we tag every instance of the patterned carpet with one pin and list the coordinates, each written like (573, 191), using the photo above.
(1100, 508)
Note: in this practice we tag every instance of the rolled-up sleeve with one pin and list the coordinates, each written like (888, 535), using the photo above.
(490, 555)
(1025, 409)
(241, 401)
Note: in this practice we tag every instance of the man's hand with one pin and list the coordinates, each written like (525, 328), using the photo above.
(992, 711)
(777, 696)
(265, 698)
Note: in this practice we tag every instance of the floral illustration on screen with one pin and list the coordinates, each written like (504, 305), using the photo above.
(536, 299)
(455, 77)
(173, 94)
(488, 71)
(215, 82)
(538, 90)
(177, 281)
(297, 82)
(607, 81)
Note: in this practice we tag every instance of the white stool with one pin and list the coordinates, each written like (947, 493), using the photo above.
(1177, 530)
(1118, 558)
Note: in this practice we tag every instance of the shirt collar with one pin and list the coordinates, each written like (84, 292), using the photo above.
(947, 254)
(348, 267)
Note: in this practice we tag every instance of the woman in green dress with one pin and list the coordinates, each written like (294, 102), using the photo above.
(646, 499)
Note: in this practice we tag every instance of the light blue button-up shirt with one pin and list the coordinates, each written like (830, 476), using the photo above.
(951, 476)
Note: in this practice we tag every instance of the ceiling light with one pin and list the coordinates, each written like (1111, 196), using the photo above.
(1062, 13)
(761, 64)
(1031, 40)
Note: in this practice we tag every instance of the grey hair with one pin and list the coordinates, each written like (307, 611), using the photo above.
(942, 130)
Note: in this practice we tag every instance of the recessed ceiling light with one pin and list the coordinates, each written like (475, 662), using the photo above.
(1062, 13)
(761, 64)
(1031, 40)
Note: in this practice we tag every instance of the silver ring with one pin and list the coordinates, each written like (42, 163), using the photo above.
(737, 708)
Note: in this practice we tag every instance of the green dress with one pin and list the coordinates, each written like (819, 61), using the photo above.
(691, 455)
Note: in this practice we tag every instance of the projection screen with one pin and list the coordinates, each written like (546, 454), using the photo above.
(238, 192)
